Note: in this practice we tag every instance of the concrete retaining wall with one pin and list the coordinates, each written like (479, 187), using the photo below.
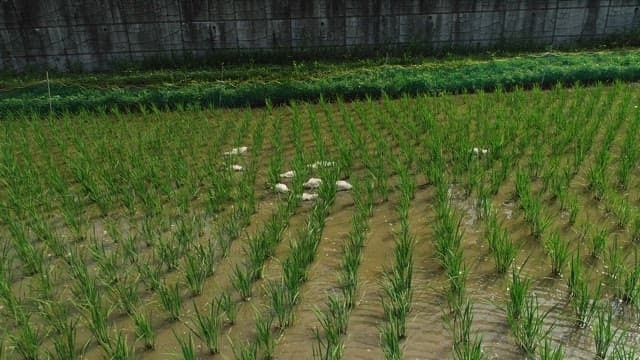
(96, 33)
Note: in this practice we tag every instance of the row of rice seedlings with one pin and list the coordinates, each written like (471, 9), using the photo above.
(584, 300)
(284, 294)
(465, 347)
(500, 244)
(532, 205)
(329, 343)
(346, 152)
(598, 172)
(629, 154)
(526, 319)
(396, 287)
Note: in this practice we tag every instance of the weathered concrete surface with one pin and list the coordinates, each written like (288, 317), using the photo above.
(95, 33)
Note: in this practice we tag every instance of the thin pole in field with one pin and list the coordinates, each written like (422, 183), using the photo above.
(49, 91)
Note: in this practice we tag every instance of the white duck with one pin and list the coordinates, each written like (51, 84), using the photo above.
(312, 183)
(281, 188)
(342, 185)
(309, 197)
(288, 175)
(237, 151)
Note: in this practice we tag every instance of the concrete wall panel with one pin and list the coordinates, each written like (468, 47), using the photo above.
(95, 33)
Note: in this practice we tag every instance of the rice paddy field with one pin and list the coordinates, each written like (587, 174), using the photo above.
(498, 225)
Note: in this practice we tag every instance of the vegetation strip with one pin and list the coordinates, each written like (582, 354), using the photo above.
(545, 70)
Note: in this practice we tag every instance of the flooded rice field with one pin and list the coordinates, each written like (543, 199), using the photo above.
(496, 225)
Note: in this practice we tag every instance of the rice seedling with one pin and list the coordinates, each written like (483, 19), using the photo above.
(546, 352)
(629, 287)
(283, 298)
(144, 329)
(170, 299)
(120, 349)
(529, 328)
(603, 333)
(584, 302)
(265, 340)
(390, 342)
(208, 326)
(26, 340)
(558, 250)
(196, 270)
(464, 346)
(614, 263)
(245, 351)
(242, 281)
(518, 292)
(575, 273)
(598, 243)
(500, 245)
(187, 348)
(622, 352)
(227, 305)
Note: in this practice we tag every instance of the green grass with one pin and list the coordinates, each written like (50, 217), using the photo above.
(432, 78)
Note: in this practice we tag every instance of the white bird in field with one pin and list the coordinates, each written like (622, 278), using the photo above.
(288, 175)
(478, 151)
(309, 197)
(342, 185)
(237, 151)
(237, 167)
(312, 183)
(281, 188)
(319, 164)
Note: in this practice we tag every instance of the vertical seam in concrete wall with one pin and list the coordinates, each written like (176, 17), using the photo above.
(235, 24)
(555, 24)
(606, 19)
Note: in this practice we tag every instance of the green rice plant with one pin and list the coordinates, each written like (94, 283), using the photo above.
(228, 306)
(334, 324)
(575, 273)
(598, 181)
(622, 211)
(283, 298)
(614, 263)
(149, 275)
(208, 326)
(245, 351)
(584, 302)
(500, 245)
(396, 303)
(603, 333)
(169, 253)
(390, 342)
(622, 352)
(196, 270)
(187, 348)
(599, 243)
(629, 291)
(558, 250)
(170, 299)
(464, 347)
(574, 208)
(635, 228)
(537, 221)
(26, 340)
(518, 290)
(144, 329)
(529, 328)
(120, 349)
(265, 340)
(125, 293)
(456, 272)
(242, 281)
(546, 352)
